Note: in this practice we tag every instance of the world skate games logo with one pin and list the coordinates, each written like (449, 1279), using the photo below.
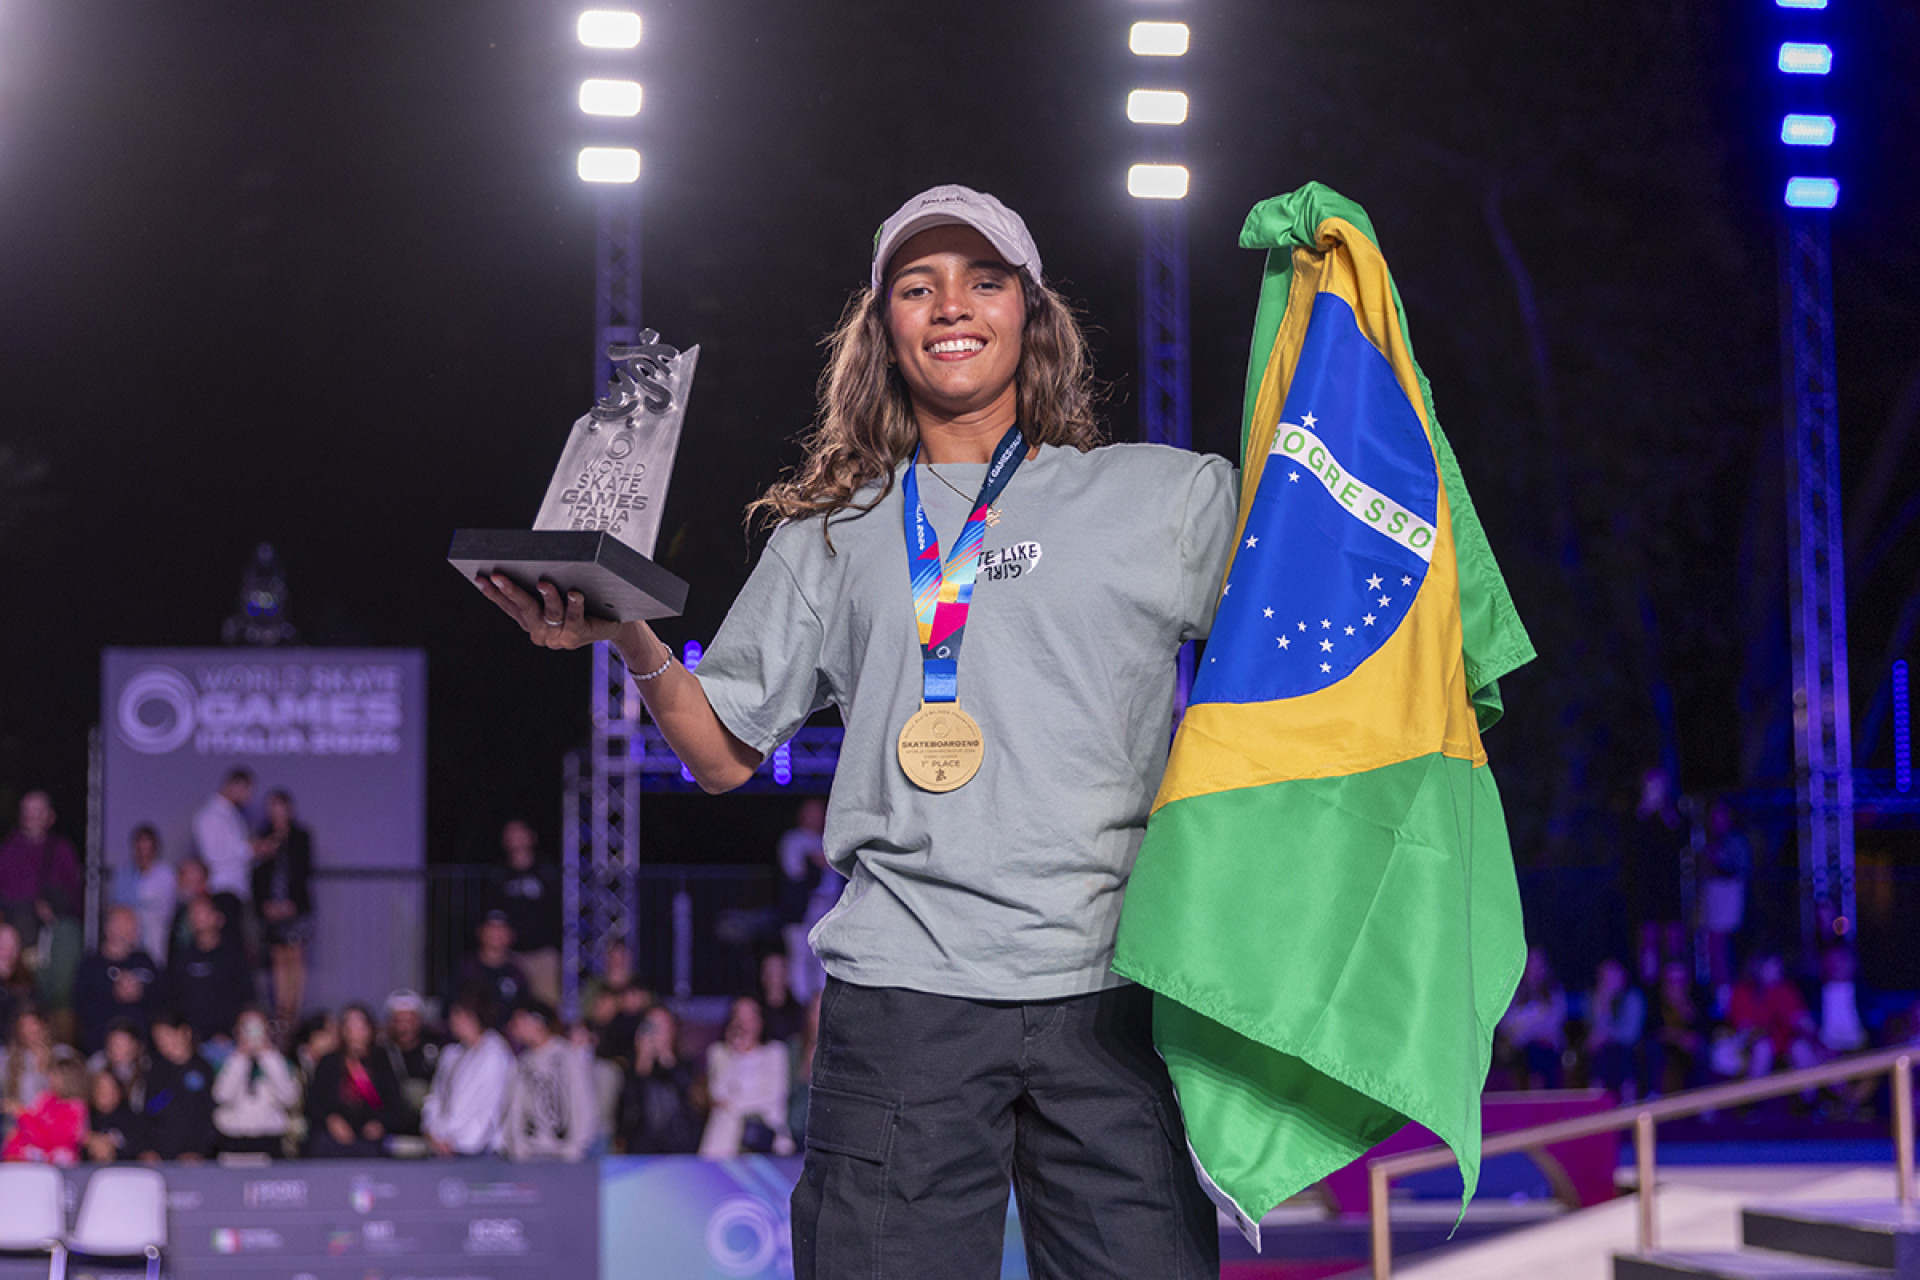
(252, 708)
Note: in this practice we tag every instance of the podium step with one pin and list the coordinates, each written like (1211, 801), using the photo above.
(1870, 1233)
(1744, 1265)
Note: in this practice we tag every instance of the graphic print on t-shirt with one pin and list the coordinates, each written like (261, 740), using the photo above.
(1008, 563)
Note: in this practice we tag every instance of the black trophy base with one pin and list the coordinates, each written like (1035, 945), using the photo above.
(617, 581)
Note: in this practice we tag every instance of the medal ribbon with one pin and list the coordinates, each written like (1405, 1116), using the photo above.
(943, 590)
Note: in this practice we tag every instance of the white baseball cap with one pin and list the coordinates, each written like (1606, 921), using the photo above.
(952, 205)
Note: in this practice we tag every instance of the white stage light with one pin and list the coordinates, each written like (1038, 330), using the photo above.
(609, 29)
(1158, 39)
(1157, 106)
(609, 164)
(1800, 58)
(1807, 131)
(1157, 181)
(1812, 193)
(610, 97)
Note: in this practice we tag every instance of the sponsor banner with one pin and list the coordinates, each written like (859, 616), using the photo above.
(343, 731)
(692, 1219)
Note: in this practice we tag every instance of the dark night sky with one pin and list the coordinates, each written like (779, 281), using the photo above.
(321, 274)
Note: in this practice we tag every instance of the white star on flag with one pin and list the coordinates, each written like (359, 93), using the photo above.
(1385, 601)
(1253, 542)
(1326, 646)
(1368, 619)
(1406, 582)
(1293, 477)
(1283, 643)
(1303, 626)
(1373, 583)
(1325, 625)
(1308, 421)
(1325, 668)
(1267, 613)
(1349, 630)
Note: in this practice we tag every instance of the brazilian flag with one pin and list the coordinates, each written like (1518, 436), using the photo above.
(1325, 902)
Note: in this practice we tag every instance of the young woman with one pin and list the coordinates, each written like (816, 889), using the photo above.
(747, 1078)
(354, 1100)
(989, 800)
(282, 895)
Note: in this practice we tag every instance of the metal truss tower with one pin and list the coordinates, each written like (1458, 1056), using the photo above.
(1823, 746)
(601, 804)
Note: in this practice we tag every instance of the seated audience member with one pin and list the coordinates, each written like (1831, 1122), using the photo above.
(125, 1059)
(1535, 1026)
(1770, 1020)
(12, 980)
(552, 1109)
(179, 1111)
(1616, 1018)
(493, 967)
(120, 980)
(785, 1015)
(747, 1080)
(114, 1126)
(283, 902)
(657, 1112)
(30, 1055)
(1673, 1047)
(52, 1130)
(190, 885)
(146, 884)
(463, 1111)
(256, 1093)
(615, 976)
(354, 1101)
(208, 979)
(1841, 1028)
(410, 1051)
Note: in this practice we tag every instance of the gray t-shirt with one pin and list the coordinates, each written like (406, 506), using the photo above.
(1010, 887)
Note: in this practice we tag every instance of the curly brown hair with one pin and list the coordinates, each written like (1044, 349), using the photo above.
(865, 427)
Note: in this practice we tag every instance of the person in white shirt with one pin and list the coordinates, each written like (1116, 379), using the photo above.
(256, 1092)
(465, 1107)
(220, 834)
(748, 1080)
(553, 1112)
(146, 884)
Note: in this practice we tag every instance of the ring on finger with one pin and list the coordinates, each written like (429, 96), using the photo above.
(554, 622)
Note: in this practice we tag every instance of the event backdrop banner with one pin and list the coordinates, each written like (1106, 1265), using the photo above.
(343, 731)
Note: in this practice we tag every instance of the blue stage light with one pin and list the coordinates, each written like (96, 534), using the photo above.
(1807, 131)
(1902, 731)
(690, 654)
(1804, 58)
(1801, 4)
(1812, 193)
(783, 764)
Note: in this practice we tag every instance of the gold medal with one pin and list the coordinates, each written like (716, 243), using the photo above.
(941, 747)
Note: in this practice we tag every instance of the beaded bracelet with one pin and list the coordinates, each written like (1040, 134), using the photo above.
(657, 672)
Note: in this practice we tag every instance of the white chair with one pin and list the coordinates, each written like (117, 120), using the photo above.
(123, 1214)
(33, 1212)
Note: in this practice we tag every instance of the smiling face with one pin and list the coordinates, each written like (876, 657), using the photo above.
(955, 317)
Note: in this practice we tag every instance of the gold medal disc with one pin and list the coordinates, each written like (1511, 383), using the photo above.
(941, 747)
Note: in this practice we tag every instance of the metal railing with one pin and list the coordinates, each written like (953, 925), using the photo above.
(1641, 1118)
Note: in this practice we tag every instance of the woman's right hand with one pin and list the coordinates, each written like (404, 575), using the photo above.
(551, 620)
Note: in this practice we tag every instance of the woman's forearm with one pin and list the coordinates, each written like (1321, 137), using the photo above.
(678, 704)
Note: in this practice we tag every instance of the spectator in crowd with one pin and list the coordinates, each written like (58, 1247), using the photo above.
(1841, 1028)
(1769, 1021)
(526, 889)
(657, 1112)
(747, 1080)
(1723, 890)
(52, 1130)
(12, 982)
(808, 889)
(113, 1125)
(125, 1059)
(463, 1111)
(410, 1051)
(552, 1108)
(28, 1069)
(283, 899)
(803, 1046)
(179, 1112)
(313, 1040)
(221, 838)
(120, 980)
(493, 967)
(256, 1094)
(190, 885)
(354, 1101)
(1616, 1018)
(208, 979)
(785, 1015)
(40, 895)
(615, 976)
(39, 871)
(1535, 1026)
(1673, 1048)
(146, 883)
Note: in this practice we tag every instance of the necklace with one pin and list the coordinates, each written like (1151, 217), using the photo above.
(993, 511)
